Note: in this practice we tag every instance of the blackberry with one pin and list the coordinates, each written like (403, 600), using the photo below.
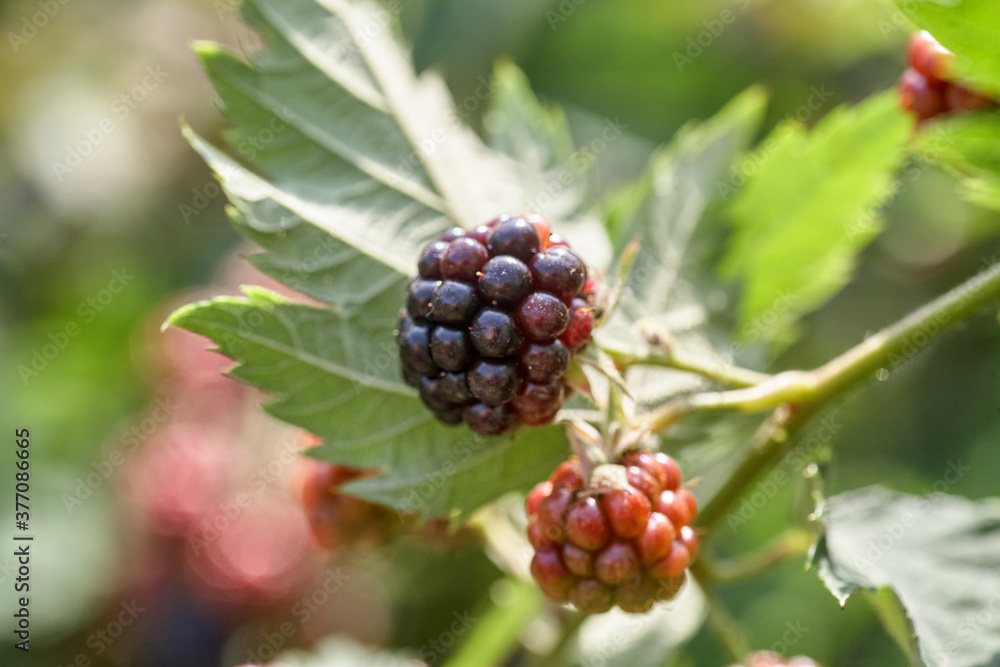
(610, 542)
(579, 325)
(415, 350)
(927, 88)
(490, 324)
(337, 520)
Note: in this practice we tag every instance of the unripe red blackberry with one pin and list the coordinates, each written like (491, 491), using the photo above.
(338, 520)
(609, 539)
(927, 88)
(491, 322)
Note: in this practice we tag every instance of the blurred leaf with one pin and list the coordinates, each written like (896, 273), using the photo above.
(970, 28)
(495, 635)
(336, 377)
(803, 217)
(941, 556)
(968, 144)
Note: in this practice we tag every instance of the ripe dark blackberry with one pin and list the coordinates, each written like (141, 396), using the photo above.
(610, 542)
(491, 322)
(928, 89)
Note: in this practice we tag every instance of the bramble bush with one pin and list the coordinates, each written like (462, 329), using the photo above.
(413, 237)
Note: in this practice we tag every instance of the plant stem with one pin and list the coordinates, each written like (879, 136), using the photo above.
(717, 371)
(906, 338)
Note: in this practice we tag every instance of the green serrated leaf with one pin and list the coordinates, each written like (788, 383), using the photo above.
(806, 213)
(664, 210)
(335, 375)
(970, 28)
(679, 183)
(939, 554)
(356, 164)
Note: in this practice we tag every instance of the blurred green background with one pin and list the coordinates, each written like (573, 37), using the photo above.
(110, 217)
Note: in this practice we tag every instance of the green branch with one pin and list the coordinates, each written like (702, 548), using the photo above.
(671, 357)
(906, 338)
(796, 396)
